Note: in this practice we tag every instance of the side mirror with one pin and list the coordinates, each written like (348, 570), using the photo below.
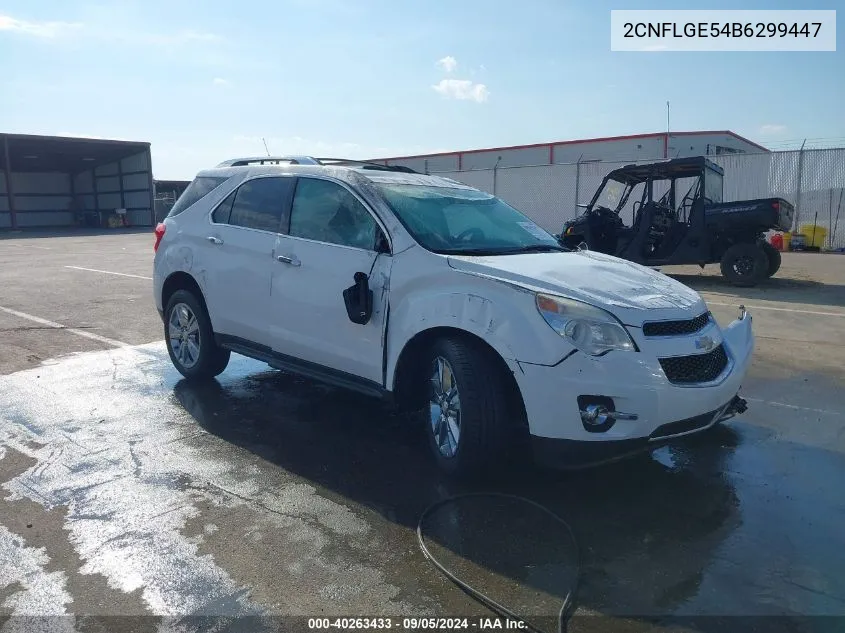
(358, 299)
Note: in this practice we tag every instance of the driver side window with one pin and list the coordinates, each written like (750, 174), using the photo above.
(325, 211)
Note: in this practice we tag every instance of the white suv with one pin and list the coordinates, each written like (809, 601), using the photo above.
(443, 299)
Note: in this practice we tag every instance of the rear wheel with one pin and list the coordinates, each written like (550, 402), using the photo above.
(190, 339)
(468, 411)
(745, 265)
(774, 257)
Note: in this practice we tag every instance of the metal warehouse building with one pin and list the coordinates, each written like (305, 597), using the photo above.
(50, 181)
(614, 148)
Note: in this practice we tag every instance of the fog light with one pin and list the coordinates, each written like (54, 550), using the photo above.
(595, 415)
(599, 414)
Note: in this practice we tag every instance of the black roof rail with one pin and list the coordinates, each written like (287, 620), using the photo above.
(364, 164)
(310, 160)
(269, 160)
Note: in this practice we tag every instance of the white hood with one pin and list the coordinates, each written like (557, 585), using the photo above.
(634, 293)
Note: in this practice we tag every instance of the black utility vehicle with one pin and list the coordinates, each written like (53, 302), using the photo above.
(677, 217)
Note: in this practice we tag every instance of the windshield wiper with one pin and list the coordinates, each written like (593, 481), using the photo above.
(516, 250)
(534, 248)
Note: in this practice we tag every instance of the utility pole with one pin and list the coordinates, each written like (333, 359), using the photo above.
(666, 144)
(800, 177)
(495, 170)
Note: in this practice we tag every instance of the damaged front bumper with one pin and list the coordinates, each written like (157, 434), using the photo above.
(575, 454)
(643, 408)
(735, 407)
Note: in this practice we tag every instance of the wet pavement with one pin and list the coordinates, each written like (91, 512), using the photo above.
(268, 494)
(127, 491)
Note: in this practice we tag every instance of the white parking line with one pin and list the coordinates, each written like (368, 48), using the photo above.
(797, 311)
(108, 272)
(43, 248)
(793, 406)
(59, 326)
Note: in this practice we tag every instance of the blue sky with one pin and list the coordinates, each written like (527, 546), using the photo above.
(204, 81)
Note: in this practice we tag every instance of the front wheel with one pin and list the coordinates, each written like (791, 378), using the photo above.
(468, 414)
(190, 339)
(745, 265)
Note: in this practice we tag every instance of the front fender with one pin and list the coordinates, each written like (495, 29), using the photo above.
(503, 316)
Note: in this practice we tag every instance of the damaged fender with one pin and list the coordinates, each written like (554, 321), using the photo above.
(491, 310)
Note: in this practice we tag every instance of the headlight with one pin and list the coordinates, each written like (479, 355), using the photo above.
(592, 330)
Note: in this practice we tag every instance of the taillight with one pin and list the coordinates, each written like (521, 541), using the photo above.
(160, 228)
(776, 205)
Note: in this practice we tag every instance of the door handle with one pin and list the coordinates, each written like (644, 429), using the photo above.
(214, 240)
(288, 260)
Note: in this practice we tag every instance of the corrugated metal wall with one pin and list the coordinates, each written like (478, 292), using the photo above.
(628, 149)
(43, 199)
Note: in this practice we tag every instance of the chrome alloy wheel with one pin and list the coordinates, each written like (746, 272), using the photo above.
(445, 408)
(184, 333)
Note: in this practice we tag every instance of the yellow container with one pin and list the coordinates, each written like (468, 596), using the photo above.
(812, 239)
(787, 238)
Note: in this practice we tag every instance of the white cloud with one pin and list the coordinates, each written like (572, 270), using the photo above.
(772, 128)
(36, 29)
(462, 89)
(128, 34)
(219, 81)
(448, 63)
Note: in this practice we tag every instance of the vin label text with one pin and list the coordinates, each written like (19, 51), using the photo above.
(722, 30)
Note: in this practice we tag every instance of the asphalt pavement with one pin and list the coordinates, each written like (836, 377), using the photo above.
(131, 500)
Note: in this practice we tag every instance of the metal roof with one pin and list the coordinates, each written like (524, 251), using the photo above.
(577, 141)
(31, 153)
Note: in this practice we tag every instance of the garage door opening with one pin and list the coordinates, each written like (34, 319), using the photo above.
(53, 182)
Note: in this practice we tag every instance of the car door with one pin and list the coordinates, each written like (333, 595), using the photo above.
(244, 227)
(331, 236)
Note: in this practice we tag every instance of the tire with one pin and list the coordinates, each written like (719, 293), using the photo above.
(483, 412)
(774, 257)
(203, 359)
(745, 265)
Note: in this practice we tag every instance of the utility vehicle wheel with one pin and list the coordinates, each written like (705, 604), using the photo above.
(774, 257)
(190, 340)
(745, 265)
(468, 413)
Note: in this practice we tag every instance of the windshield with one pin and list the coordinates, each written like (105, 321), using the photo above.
(712, 187)
(613, 195)
(464, 221)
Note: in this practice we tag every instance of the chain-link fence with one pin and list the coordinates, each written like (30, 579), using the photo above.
(163, 203)
(812, 180)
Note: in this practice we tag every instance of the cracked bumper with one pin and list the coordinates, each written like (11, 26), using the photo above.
(637, 384)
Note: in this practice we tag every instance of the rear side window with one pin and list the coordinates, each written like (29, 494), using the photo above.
(198, 189)
(259, 203)
(221, 213)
